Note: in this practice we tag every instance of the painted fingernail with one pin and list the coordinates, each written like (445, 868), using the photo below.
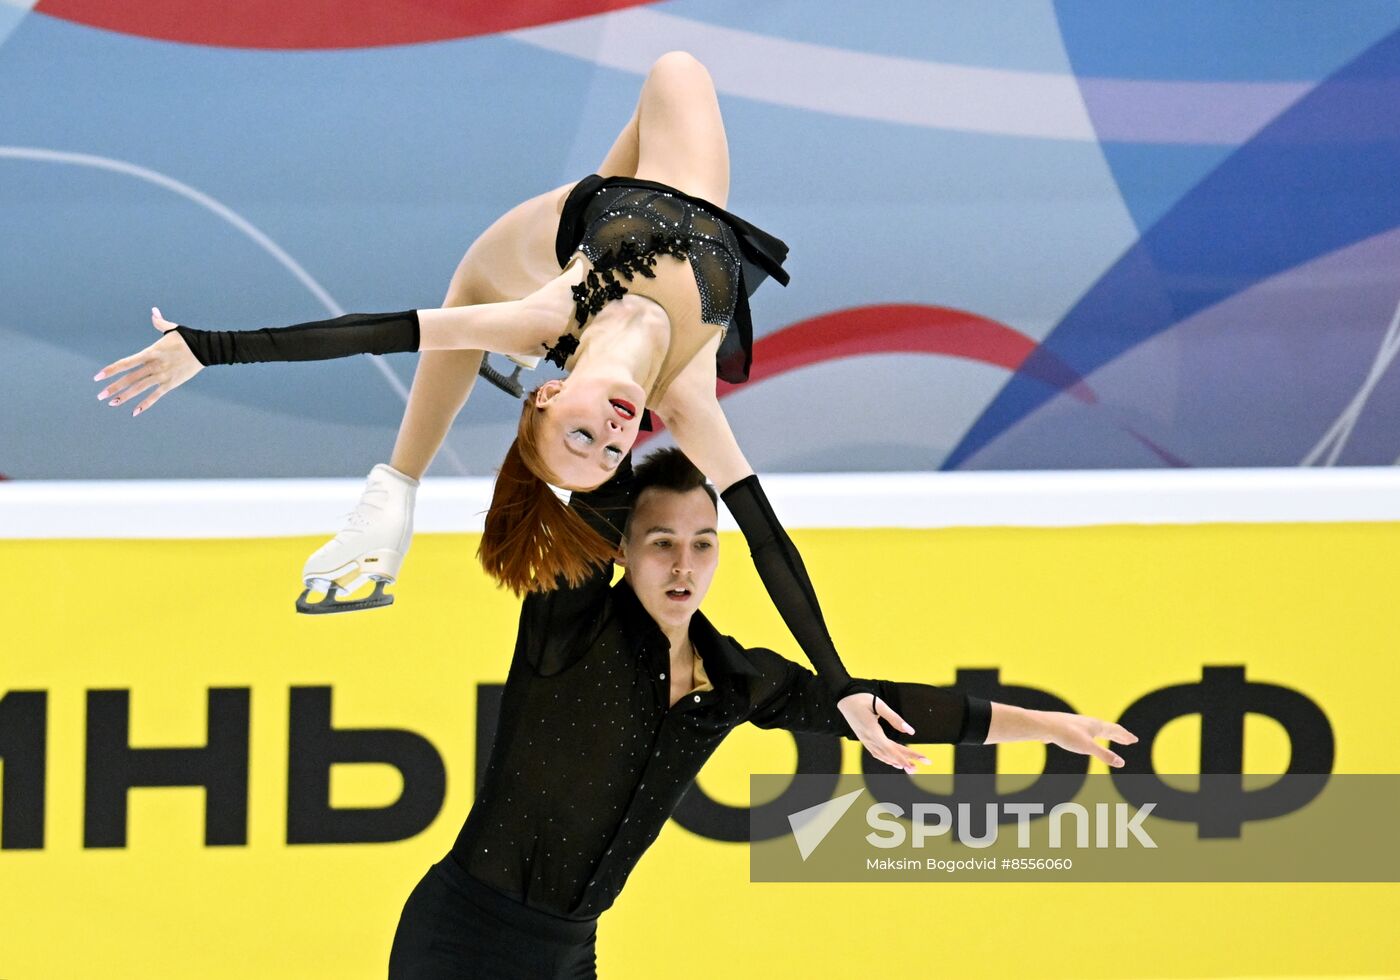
(103, 394)
(136, 413)
(909, 729)
(97, 376)
(115, 401)
(925, 761)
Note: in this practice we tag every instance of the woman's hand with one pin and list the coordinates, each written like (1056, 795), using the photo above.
(1076, 733)
(166, 364)
(856, 708)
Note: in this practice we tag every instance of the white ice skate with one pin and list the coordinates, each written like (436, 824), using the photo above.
(370, 548)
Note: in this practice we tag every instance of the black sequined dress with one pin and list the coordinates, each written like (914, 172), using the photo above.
(623, 223)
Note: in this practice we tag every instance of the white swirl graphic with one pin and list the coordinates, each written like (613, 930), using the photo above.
(233, 218)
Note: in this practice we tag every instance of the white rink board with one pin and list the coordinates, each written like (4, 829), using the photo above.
(273, 508)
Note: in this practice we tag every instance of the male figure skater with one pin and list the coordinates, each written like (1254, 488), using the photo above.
(615, 698)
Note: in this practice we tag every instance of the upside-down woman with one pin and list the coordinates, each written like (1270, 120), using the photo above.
(635, 281)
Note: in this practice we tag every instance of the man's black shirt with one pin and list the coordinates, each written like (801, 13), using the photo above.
(590, 759)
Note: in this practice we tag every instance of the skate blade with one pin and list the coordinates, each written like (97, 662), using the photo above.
(330, 604)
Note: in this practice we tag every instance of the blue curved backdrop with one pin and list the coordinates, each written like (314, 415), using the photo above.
(1115, 235)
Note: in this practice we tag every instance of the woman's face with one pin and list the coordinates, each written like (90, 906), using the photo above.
(589, 424)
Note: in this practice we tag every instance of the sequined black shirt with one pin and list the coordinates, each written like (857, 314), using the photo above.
(590, 759)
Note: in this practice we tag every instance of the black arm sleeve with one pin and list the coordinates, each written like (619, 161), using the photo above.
(318, 340)
(787, 696)
(937, 714)
(555, 626)
(785, 577)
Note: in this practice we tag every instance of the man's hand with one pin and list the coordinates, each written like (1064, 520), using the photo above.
(1076, 733)
(856, 708)
(166, 364)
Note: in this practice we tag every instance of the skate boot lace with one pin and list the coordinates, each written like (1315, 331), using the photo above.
(359, 518)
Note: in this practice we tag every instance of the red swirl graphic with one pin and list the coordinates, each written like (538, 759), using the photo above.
(892, 328)
(320, 24)
(887, 329)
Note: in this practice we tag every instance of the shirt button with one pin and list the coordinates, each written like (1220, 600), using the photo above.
(663, 677)
(697, 697)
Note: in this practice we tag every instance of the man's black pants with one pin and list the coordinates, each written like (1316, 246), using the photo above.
(453, 927)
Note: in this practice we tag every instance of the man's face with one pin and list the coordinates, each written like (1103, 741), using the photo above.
(671, 552)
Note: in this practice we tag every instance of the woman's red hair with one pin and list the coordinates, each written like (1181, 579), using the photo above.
(532, 541)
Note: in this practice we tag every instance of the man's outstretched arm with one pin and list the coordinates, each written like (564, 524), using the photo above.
(991, 722)
(791, 697)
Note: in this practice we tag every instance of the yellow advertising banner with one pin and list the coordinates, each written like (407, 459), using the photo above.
(298, 837)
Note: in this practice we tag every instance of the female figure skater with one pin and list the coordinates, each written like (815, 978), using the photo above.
(658, 273)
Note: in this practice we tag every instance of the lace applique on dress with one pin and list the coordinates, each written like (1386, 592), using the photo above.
(627, 259)
(563, 349)
(627, 230)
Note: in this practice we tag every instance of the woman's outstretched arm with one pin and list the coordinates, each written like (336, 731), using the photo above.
(509, 327)
(513, 327)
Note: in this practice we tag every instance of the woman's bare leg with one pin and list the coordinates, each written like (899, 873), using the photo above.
(621, 160)
(680, 132)
(510, 260)
(441, 384)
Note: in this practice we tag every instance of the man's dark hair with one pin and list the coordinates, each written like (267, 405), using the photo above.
(670, 469)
